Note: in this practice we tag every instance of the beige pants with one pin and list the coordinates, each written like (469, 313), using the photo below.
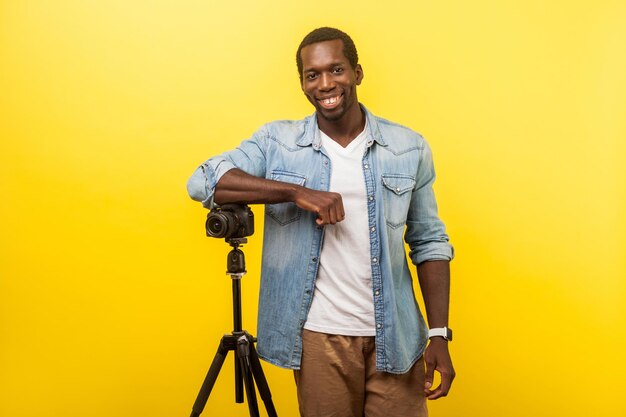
(338, 378)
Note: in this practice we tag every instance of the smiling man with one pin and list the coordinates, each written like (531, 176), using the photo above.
(344, 190)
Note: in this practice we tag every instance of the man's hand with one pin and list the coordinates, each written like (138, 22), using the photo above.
(437, 358)
(327, 205)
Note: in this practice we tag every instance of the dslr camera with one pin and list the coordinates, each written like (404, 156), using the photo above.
(230, 221)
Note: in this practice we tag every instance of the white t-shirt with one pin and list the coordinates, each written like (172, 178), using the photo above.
(343, 302)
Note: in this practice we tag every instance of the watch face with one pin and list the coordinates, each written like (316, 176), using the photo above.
(449, 334)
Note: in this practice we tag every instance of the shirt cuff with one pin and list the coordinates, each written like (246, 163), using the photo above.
(439, 252)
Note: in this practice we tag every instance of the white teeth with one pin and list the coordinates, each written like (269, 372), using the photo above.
(330, 101)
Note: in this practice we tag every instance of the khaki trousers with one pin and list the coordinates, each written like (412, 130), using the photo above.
(338, 378)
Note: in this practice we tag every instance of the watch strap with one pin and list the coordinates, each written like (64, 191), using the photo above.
(444, 332)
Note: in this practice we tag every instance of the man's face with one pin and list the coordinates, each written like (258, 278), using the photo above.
(328, 79)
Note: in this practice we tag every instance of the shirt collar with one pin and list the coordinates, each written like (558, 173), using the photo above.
(311, 136)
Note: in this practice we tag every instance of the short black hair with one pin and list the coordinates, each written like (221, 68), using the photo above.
(328, 34)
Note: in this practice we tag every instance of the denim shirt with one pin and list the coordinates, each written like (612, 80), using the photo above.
(398, 171)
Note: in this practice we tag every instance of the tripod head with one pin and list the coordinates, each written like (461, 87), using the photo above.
(236, 261)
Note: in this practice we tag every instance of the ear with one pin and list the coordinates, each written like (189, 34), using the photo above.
(359, 74)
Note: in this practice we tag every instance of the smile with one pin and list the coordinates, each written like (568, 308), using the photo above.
(330, 102)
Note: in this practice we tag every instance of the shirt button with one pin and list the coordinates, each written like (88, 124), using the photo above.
(325, 162)
(373, 229)
(374, 260)
(366, 166)
(371, 198)
(378, 325)
(398, 189)
(314, 259)
(377, 293)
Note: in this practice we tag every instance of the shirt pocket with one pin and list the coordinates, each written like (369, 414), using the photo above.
(397, 191)
(285, 213)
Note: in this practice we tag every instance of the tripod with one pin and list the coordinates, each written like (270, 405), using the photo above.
(247, 364)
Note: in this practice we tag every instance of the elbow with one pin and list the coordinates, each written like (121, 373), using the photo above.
(197, 188)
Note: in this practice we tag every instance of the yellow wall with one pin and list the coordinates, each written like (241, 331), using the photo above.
(111, 299)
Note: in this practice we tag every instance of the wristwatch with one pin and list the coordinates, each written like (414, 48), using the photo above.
(444, 332)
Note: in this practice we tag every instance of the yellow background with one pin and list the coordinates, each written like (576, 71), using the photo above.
(112, 301)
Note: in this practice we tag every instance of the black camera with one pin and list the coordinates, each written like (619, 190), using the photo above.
(230, 221)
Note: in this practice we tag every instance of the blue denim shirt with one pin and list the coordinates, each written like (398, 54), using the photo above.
(398, 171)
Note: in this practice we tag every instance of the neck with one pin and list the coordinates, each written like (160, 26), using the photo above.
(344, 130)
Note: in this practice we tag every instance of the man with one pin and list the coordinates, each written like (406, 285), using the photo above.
(341, 187)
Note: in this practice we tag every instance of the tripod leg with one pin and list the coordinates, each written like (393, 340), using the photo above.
(238, 380)
(243, 352)
(261, 382)
(209, 380)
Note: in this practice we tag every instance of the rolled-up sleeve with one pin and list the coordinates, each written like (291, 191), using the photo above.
(425, 232)
(249, 156)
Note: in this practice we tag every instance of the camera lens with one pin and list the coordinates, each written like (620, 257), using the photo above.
(230, 221)
(217, 225)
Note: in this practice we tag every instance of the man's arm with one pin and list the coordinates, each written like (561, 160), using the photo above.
(431, 252)
(235, 186)
(434, 279)
(237, 176)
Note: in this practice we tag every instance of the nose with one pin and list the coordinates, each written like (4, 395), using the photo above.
(327, 82)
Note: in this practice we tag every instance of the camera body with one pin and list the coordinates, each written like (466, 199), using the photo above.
(230, 221)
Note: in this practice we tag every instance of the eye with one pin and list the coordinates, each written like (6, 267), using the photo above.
(338, 70)
(311, 76)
